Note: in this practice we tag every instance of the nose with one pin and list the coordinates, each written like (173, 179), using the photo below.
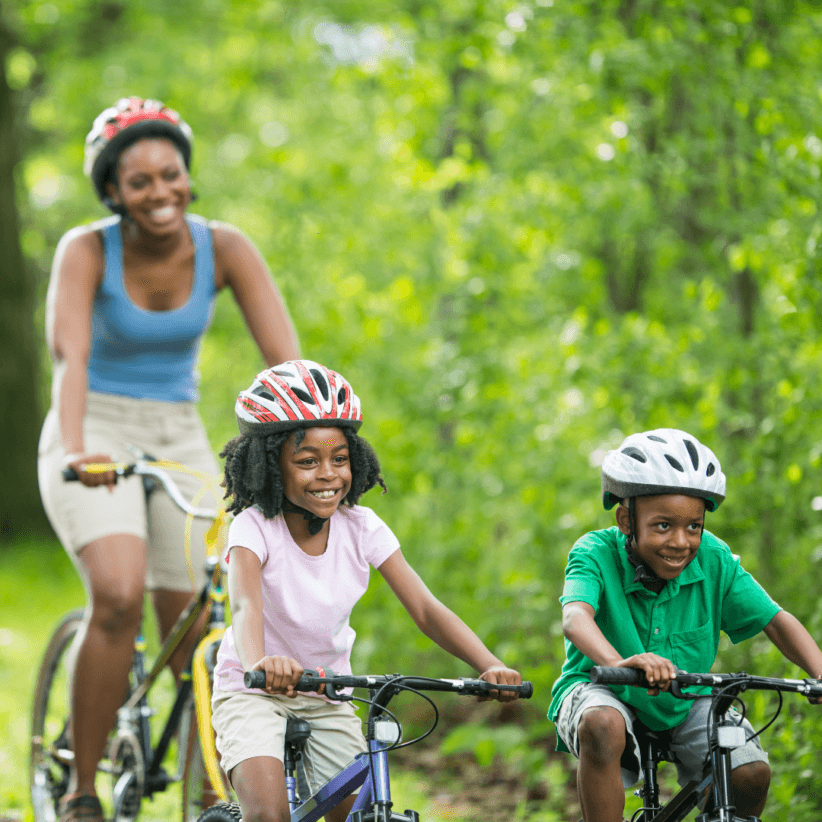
(328, 470)
(679, 538)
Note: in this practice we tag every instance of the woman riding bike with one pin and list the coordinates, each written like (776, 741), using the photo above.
(128, 302)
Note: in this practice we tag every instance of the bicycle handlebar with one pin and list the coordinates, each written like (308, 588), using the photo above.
(602, 675)
(145, 468)
(312, 681)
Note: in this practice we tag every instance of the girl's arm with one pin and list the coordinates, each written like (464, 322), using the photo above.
(443, 626)
(245, 595)
(581, 630)
(795, 643)
(240, 266)
(76, 274)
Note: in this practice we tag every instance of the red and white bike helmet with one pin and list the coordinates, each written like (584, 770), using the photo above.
(130, 119)
(663, 461)
(297, 394)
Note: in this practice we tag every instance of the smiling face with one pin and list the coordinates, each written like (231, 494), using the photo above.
(669, 530)
(152, 185)
(317, 475)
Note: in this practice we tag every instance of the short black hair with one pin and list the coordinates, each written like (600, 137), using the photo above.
(252, 474)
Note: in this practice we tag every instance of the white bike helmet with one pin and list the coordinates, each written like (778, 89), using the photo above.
(297, 394)
(664, 461)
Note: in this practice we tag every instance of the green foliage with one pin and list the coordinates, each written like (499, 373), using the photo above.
(522, 231)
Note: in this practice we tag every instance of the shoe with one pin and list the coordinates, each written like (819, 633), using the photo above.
(81, 808)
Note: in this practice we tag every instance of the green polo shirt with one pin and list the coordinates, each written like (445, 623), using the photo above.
(681, 623)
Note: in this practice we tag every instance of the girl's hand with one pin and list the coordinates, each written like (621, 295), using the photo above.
(658, 671)
(499, 674)
(281, 674)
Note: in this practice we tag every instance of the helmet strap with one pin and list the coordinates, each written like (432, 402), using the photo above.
(315, 523)
(644, 575)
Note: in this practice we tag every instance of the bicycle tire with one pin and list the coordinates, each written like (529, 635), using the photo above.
(198, 794)
(222, 812)
(48, 775)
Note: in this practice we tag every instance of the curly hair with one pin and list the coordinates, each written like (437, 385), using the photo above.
(253, 476)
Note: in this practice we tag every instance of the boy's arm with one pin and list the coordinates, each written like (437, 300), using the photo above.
(443, 626)
(795, 643)
(580, 628)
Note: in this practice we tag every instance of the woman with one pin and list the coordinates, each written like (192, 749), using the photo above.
(128, 301)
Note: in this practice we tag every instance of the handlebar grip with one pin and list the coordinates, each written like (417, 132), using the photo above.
(70, 475)
(254, 679)
(527, 690)
(308, 681)
(601, 675)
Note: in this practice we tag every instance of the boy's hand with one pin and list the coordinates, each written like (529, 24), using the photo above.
(658, 671)
(501, 675)
(281, 674)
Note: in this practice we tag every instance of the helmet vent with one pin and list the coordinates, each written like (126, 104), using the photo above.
(262, 391)
(710, 470)
(303, 395)
(692, 453)
(341, 395)
(656, 438)
(635, 453)
(321, 383)
(675, 464)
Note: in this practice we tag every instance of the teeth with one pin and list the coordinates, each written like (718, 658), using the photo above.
(323, 494)
(162, 213)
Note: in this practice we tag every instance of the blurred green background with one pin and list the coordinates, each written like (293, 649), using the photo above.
(522, 230)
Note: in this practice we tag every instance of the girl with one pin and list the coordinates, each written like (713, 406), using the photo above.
(300, 550)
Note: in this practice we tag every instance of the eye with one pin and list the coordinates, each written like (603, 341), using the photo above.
(663, 526)
(695, 526)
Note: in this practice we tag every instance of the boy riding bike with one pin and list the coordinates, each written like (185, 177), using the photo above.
(300, 552)
(653, 593)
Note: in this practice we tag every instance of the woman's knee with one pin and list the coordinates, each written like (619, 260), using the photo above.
(117, 611)
(601, 733)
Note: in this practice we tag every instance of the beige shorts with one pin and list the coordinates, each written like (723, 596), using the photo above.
(249, 725)
(79, 515)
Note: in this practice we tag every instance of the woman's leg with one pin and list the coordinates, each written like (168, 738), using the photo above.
(169, 605)
(114, 572)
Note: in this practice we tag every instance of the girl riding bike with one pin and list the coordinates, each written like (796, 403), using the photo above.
(300, 552)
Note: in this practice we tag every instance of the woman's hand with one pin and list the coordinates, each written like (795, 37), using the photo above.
(501, 675)
(79, 462)
(658, 671)
(281, 674)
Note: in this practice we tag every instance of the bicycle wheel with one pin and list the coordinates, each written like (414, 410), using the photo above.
(198, 793)
(223, 812)
(51, 756)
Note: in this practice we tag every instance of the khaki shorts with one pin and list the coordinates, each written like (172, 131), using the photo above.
(79, 515)
(250, 725)
(689, 741)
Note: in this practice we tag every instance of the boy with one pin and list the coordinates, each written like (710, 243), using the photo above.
(653, 593)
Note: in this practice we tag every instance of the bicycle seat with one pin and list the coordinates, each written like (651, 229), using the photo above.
(296, 732)
(661, 740)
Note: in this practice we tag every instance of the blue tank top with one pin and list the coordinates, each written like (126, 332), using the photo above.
(149, 354)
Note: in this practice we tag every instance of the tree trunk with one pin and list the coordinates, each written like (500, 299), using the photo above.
(20, 510)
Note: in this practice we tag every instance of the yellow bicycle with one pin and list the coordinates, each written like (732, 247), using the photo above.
(137, 767)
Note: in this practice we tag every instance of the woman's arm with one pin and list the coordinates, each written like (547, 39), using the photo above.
(76, 275)
(245, 595)
(241, 267)
(442, 625)
(581, 630)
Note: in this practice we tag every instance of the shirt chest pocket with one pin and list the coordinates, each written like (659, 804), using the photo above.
(695, 650)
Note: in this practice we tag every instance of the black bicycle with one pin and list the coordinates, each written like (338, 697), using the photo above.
(724, 735)
(136, 765)
(367, 775)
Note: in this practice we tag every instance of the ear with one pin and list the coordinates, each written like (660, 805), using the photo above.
(113, 194)
(623, 518)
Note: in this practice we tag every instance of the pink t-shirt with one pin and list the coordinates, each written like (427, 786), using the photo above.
(307, 600)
